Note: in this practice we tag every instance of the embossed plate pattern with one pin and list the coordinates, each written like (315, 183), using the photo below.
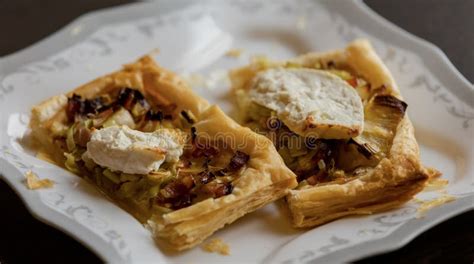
(194, 38)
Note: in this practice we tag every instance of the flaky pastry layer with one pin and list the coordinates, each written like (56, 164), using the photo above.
(391, 183)
(263, 180)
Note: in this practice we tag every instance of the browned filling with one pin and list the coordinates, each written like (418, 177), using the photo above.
(205, 170)
(318, 161)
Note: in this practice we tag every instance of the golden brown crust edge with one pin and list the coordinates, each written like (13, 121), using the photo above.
(144, 75)
(183, 228)
(393, 182)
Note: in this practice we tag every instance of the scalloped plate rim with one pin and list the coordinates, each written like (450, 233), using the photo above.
(47, 215)
(40, 211)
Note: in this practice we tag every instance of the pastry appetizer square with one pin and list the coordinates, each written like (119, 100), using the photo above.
(162, 153)
(338, 121)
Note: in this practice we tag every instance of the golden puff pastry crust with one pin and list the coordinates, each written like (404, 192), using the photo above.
(264, 179)
(389, 183)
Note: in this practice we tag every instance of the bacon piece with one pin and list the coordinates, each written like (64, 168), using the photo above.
(205, 177)
(325, 152)
(177, 193)
(216, 189)
(128, 97)
(207, 151)
(238, 161)
(391, 102)
(78, 106)
(154, 115)
(221, 172)
(224, 189)
(319, 177)
(82, 135)
(74, 106)
(94, 106)
(182, 201)
(353, 82)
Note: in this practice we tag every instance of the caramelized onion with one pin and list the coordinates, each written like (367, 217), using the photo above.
(392, 102)
(205, 177)
(177, 193)
(74, 106)
(82, 135)
(154, 115)
(238, 161)
(78, 106)
(217, 189)
(207, 151)
(128, 97)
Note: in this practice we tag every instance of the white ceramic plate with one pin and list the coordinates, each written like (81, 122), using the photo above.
(193, 38)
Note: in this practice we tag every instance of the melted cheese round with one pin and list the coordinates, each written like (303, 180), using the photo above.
(120, 148)
(310, 102)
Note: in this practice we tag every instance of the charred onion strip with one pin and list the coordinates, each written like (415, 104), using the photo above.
(392, 102)
(78, 106)
(74, 106)
(128, 97)
(193, 135)
(188, 116)
(386, 111)
(363, 148)
(154, 115)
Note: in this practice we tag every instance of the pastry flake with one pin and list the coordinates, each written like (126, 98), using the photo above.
(374, 169)
(33, 182)
(218, 246)
(425, 206)
(162, 153)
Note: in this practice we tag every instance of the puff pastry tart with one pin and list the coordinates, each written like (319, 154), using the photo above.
(339, 122)
(176, 163)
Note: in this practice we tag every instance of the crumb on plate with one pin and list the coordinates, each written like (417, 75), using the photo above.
(435, 184)
(430, 204)
(33, 182)
(234, 53)
(216, 245)
(433, 173)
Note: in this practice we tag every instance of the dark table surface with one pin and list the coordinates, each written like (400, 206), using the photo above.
(448, 24)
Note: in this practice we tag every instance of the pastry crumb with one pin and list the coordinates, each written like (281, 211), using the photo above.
(216, 245)
(234, 53)
(33, 182)
(428, 205)
(433, 173)
(435, 184)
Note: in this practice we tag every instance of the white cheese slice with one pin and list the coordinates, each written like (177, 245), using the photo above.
(310, 102)
(120, 148)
